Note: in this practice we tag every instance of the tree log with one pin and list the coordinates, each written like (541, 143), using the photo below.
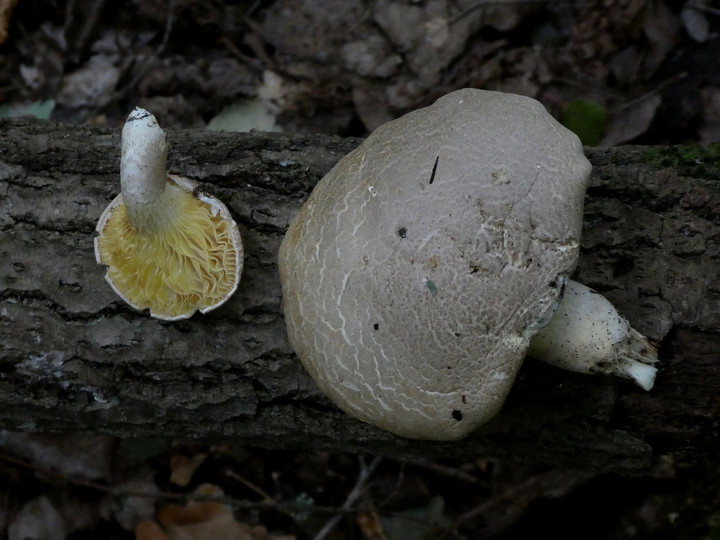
(75, 358)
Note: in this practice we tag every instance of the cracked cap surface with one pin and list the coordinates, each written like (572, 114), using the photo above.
(419, 268)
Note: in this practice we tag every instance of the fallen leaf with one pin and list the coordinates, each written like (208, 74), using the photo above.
(79, 457)
(149, 530)
(6, 7)
(631, 122)
(242, 116)
(695, 22)
(192, 513)
(370, 525)
(710, 128)
(202, 520)
(183, 467)
(38, 518)
(38, 109)
(90, 84)
(128, 511)
(416, 523)
(219, 527)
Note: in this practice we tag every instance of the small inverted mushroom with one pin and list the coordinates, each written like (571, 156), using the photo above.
(167, 248)
(420, 268)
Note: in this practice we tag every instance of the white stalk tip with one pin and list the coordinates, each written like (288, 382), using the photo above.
(587, 334)
(143, 160)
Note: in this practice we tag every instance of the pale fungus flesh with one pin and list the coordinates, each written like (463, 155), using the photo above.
(421, 266)
(586, 334)
(167, 248)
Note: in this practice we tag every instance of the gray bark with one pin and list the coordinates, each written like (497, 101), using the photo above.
(74, 357)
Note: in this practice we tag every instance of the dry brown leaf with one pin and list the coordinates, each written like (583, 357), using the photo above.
(370, 525)
(191, 514)
(183, 468)
(220, 527)
(6, 7)
(149, 530)
(199, 520)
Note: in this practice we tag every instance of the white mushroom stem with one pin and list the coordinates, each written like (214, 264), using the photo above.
(586, 334)
(143, 176)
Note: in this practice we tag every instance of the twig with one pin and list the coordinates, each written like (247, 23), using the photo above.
(248, 484)
(443, 470)
(507, 505)
(396, 487)
(704, 9)
(365, 472)
(164, 495)
(150, 59)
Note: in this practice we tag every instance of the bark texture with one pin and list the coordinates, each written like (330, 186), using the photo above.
(74, 357)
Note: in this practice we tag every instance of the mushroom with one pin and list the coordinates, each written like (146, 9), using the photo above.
(422, 265)
(167, 247)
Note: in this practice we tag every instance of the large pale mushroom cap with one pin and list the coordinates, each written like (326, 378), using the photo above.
(420, 267)
(192, 261)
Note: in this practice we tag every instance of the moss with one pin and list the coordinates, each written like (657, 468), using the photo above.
(587, 119)
(694, 161)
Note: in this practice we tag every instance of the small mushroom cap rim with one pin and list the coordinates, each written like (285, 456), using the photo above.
(217, 207)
